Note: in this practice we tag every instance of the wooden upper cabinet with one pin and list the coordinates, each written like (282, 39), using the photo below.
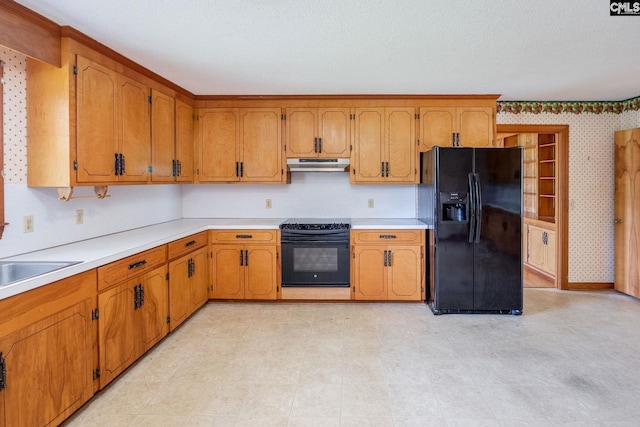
(240, 145)
(134, 130)
(385, 149)
(163, 137)
(318, 132)
(97, 90)
(113, 125)
(456, 126)
(218, 148)
(261, 145)
(184, 141)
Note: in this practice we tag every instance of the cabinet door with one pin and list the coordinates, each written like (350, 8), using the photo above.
(261, 145)
(536, 249)
(151, 317)
(369, 273)
(48, 368)
(401, 148)
(116, 331)
(334, 131)
(163, 119)
(301, 132)
(228, 274)
(218, 156)
(179, 293)
(368, 153)
(405, 273)
(199, 283)
(96, 89)
(184, 141)
(437, 126)
(134, 129)
(475, 125)
(260, 272)
(551, 252)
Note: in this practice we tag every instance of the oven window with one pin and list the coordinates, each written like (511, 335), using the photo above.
(315, 259)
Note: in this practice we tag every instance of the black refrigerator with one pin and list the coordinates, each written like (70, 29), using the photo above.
(473, 198)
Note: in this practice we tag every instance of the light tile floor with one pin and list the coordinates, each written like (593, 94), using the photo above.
(572, 359)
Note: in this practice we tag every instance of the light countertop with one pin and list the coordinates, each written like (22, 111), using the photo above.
(93, 253)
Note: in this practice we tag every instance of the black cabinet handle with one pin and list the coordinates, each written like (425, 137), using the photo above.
(319, 145)
(315, 145)
(117, 164)
(122, 168)
(382, 168)
(191, 243)
(387, 236)
(137, 264)
(179, 168)
(385, 258)
(241, 258)
(390, 259)
(238, 169)
(241, 169)
(246, 258)
(387, 171)
(244, 236)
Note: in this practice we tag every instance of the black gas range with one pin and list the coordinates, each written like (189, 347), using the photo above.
(315, 252)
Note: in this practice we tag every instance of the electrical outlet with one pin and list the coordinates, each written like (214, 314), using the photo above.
(27, 224)
(370, 204)
(268, 204)
(79, 216)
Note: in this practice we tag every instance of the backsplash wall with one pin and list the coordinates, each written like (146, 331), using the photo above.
(54, 221)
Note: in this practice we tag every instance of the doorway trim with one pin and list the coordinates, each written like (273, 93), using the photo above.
(562, 169)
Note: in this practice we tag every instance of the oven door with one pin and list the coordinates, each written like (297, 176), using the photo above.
(315, 264)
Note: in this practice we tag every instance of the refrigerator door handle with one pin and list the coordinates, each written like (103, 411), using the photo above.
(478, 198)
(472, 208)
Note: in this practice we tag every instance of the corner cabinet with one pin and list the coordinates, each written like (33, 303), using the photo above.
(457, 126)
(318, 132)
(240, 145)
(388, 265)
(46, 352)
(384, 146)
(245, 264)
(188, 277)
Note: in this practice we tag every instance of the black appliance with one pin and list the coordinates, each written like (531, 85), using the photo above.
(473, 197)
(315, 252)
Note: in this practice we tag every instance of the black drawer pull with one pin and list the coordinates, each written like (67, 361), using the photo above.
(387, 236)
(137, 264)
(244, 236)
(191, 243)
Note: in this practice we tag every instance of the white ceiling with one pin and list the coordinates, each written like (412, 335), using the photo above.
(523, 49)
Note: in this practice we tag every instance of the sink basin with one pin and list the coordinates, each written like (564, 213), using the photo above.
(13, 271)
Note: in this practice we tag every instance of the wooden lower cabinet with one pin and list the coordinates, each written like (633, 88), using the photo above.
(384, 268)
(188, 285)
(46, 349)
(540, 247)
(133, 318)
(245, 271)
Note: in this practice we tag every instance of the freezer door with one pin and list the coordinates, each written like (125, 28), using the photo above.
(498, 251)
(453, 259)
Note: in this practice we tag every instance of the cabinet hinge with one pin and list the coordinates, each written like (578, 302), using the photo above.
(351, 148)
(150, 100)
(150, 168)
(277, 288)
(3, 372)
(75, 69)
(95, 314)
(354, 289)
(283, 116)
(96, 373)
(354, 255)
(167, 276)
(168, 319)
(418, 142)
(75, 165)
(417, 116)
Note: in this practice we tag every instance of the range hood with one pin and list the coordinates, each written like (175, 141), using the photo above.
(317, 165)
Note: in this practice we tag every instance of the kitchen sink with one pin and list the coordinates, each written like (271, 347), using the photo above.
(13, 271)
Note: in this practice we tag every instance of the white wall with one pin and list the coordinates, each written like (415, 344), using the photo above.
(310, 194)
(128, 207)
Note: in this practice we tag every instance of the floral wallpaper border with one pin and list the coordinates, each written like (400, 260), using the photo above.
(575, 107)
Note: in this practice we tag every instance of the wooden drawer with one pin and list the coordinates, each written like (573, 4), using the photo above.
(388, 237)
(246, 236)
(126, 268)
(180, 247)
